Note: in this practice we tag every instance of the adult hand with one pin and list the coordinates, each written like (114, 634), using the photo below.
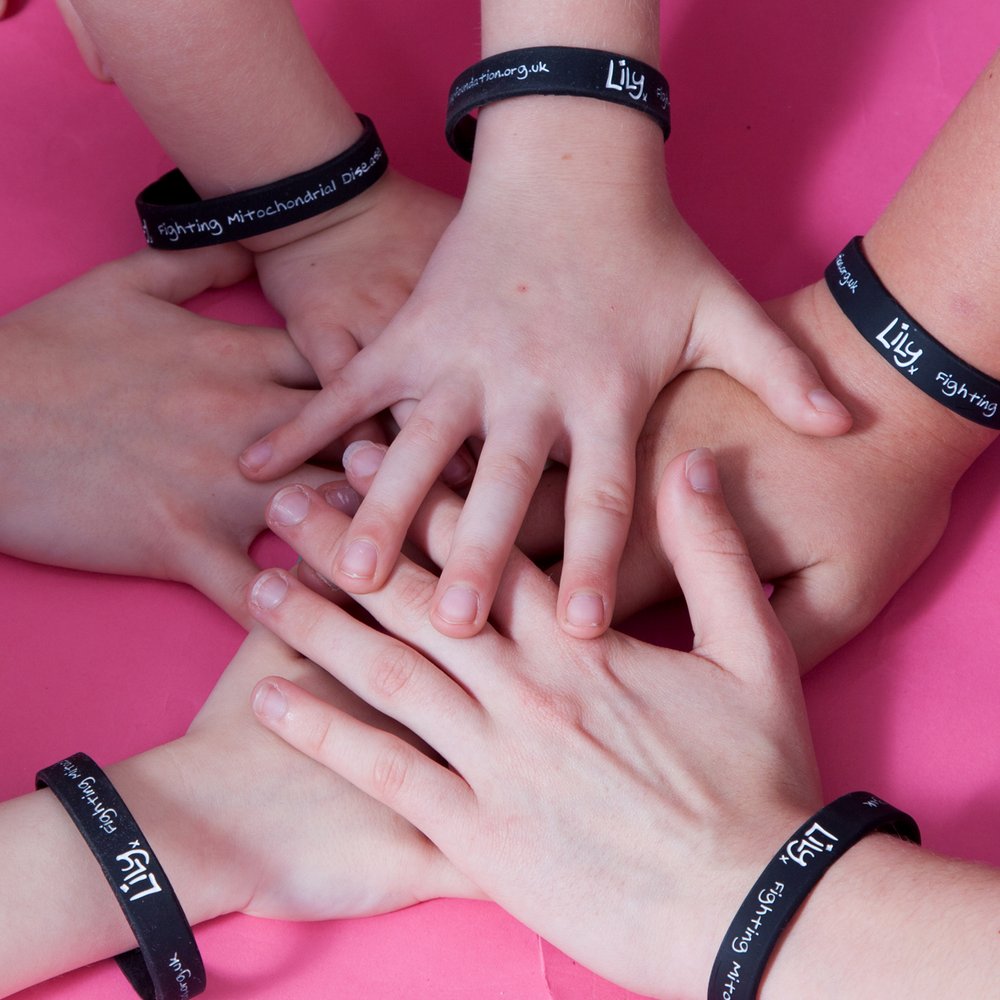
(305, 845)
(837, 525)
(122, 412)
(547, 320)
(668, 777)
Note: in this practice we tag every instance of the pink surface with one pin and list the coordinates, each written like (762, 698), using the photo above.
(794, 123)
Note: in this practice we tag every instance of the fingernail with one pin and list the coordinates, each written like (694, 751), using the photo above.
(826, 402)
(458, 606)
(341, 497)
(702, 472)
(269, 591)
(257, 456)
(585, 610)
(363, 458)
(269, 703)
(359, 560)
(457, 471)
(290, 506)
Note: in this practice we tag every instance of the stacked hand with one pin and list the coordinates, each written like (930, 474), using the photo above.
(122, 415)
(543, 340)
(616, 797)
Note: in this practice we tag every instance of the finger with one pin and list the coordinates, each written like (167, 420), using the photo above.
(357, 392)
(733, 623)
(387, 674)
(524, 595)
(84, 43)
(222, 571)
(462, 465)
(759, 354)
(177, 276)
(600, 494)
(381, 765)
(409, 468)
(816, 613)
(327, 350)
(508, 472)
(402, 605)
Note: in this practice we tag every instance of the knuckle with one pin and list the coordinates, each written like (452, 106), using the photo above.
(423, 433)
(412, 594)
(514, 472)
(389, 772)
(393, 671)
(610, 498)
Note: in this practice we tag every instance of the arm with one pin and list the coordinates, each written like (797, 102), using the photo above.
(703, 760)
(218, 85)
(224, 851)
(565, 294)
(839, 525)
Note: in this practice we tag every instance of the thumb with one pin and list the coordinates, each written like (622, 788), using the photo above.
(733, 623)
(746, 344)
(179, 275)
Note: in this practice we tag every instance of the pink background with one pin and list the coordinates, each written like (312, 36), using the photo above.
(794, 123)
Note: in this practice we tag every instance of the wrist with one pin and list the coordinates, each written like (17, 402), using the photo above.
(170, 793)
(540, 140)
(906, 425)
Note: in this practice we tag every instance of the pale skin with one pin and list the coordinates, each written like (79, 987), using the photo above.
(270, 854)
(121, 410)
(838, 525)
(337, 278)
(651, 737)
(513, 376)
(565, 294)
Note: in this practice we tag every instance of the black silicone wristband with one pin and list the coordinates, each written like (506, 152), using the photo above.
(553, 70)
(174, 217)
(788, 879)
(167, 964)
(905, 344)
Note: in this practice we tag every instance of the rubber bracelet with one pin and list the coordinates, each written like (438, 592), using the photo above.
(905, 344)
(174, 217)
(788, 879)
(553, 70)
(167, 964)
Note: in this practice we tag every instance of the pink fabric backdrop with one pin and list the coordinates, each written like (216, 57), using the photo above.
(794, 123)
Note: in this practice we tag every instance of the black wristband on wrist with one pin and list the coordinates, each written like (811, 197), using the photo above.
(553, 70)
(905, 344)
(788, 879)
(174, 217)
(167, 964)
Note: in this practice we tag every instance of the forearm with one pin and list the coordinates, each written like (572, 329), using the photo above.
(937, 245)
(58, 912)
(571, 137)
(892, 920)
(231, 89)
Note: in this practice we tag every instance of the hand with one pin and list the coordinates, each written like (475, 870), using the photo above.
(546, 322)
(122, 413)
(338, 286)
(837, 525)
(666, 779)
(265, 831)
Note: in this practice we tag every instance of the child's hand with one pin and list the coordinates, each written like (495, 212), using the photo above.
(546, 328)
(837, 525)
(580, 773)
(339, 286)
(122, 413)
